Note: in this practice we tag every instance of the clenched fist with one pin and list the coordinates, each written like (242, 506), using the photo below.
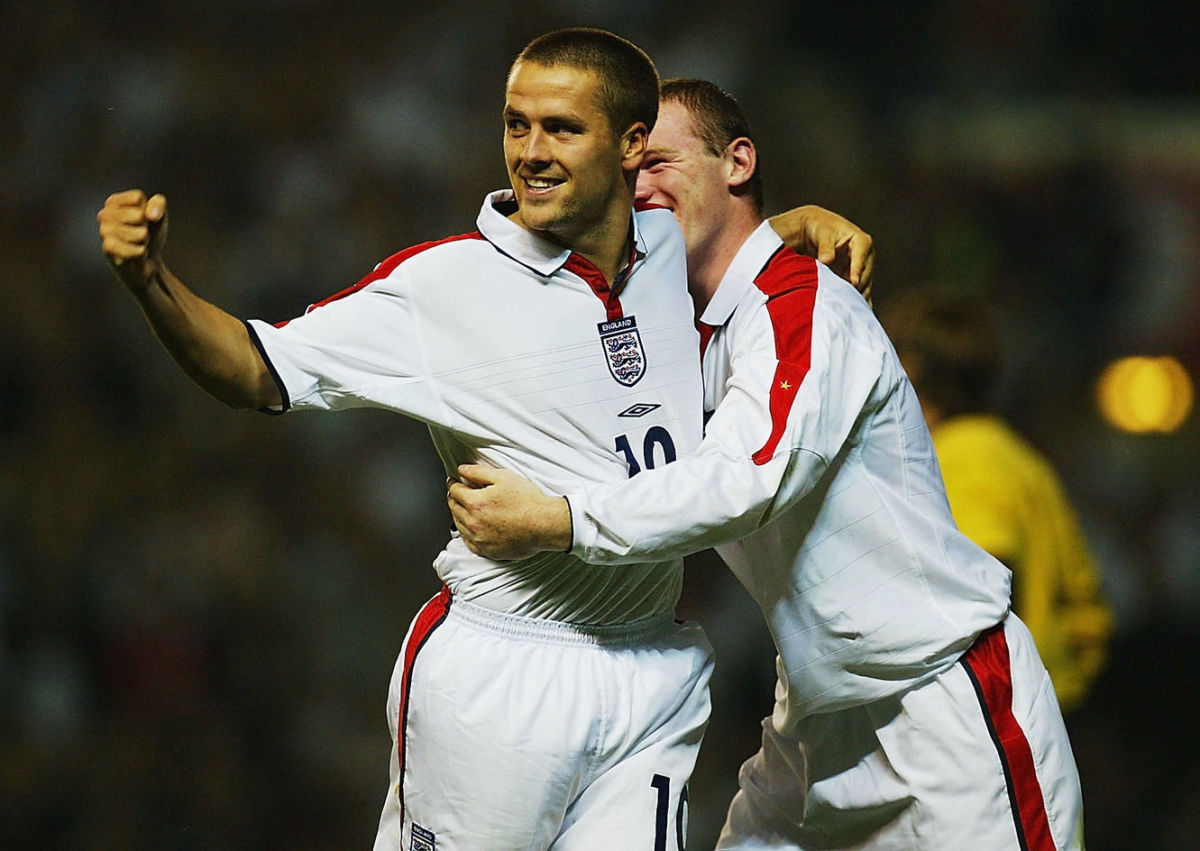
(132, 232)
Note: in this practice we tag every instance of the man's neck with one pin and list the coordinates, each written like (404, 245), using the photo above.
(609, 254)
(708, 263)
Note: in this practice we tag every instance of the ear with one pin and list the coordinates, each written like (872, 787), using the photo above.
(740, 161)
(633, 146)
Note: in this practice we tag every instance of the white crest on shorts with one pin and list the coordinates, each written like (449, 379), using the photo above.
(623, 350)
(422, 839)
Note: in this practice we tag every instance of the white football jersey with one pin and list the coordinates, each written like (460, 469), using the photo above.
(516, 353)
(817, 478)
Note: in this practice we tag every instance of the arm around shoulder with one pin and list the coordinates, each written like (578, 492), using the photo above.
(834, 240)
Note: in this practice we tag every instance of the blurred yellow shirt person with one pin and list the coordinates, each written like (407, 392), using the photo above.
(1005, 495)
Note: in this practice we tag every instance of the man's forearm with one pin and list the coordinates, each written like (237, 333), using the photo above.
(212, 347)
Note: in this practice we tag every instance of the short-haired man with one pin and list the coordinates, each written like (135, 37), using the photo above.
(538, 703)
(913, 711)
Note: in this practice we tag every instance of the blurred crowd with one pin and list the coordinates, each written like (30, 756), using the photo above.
(199, 609)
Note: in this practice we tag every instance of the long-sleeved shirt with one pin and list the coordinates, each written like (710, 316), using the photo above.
(817, 482)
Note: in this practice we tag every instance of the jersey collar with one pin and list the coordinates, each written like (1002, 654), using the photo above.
(526, 247)
(750, 259)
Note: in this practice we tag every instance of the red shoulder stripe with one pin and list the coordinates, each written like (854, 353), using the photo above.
(789, 282)
(387, 267)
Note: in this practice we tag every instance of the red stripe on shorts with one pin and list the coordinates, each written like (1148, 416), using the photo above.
(427, 620)
(987, 665)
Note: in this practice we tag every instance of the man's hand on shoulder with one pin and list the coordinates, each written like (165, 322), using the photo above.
(502, 515)
(834, 240)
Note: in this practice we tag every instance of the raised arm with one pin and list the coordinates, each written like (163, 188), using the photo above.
(212, 347)
(834, 240)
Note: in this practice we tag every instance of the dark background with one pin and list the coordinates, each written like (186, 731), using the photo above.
(199, 609)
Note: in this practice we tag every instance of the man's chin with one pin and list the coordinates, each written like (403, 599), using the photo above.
(537, 218)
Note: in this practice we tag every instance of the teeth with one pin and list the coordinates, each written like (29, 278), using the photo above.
(539, 183)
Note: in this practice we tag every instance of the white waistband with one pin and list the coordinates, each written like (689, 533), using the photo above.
(634, 632)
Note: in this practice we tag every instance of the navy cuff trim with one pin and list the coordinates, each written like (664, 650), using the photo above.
(283, 393)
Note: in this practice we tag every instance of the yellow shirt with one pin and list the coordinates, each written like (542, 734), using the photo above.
(1007, 498)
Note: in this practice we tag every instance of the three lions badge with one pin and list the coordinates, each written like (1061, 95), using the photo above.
(623, 350)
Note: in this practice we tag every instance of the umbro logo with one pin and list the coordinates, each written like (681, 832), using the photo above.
(639, 410)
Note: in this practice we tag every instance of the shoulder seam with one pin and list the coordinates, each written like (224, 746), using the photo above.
(390, 264)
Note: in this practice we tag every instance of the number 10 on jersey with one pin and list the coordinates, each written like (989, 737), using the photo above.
(656, 448)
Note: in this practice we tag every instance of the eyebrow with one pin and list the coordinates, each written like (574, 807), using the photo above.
(570, 120)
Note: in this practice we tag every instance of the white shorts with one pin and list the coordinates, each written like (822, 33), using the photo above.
(515, 733)
(977, 758)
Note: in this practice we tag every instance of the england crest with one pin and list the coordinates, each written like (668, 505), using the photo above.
(623, 350)
(422, 839)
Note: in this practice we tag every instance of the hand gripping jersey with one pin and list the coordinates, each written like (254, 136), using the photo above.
(517, 353)
(817, 482)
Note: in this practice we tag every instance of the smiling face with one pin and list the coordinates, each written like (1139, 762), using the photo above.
(568, 166)
(681, 173)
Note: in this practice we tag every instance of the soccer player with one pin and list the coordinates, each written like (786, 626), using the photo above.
(532, 704)
(912, 711)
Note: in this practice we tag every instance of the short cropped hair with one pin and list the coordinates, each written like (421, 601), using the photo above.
(950, 344)
(628, 79)
(717, 119)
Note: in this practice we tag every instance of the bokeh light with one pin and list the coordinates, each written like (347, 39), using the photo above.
(1143, 394)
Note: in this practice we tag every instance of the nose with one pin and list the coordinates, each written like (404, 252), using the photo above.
(645, 186)
(536, 149)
